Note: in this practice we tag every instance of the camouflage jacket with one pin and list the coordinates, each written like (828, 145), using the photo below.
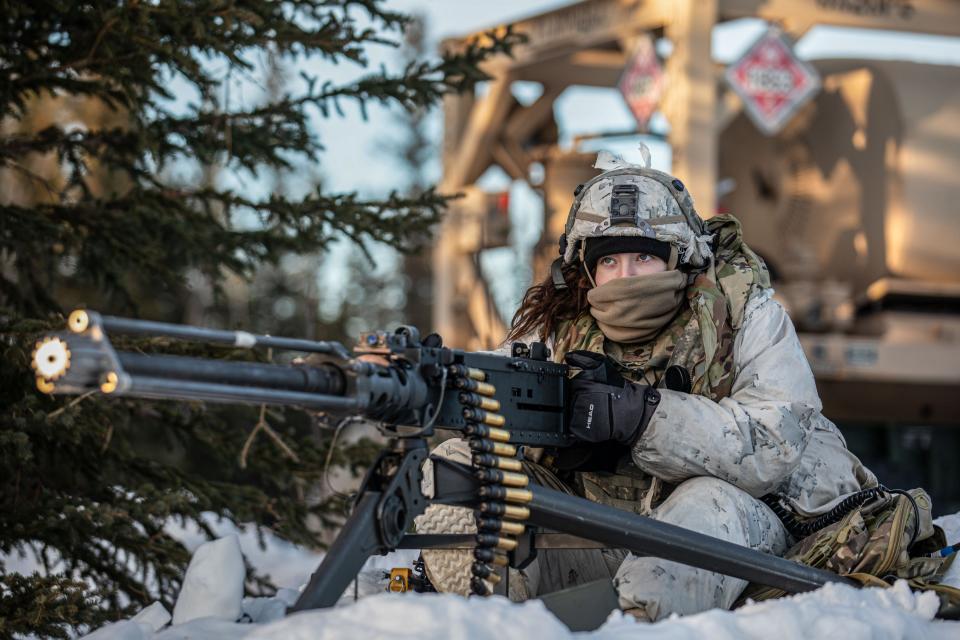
(753, 418)
(767, 435)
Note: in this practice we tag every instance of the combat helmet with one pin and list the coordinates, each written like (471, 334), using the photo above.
(633, 200)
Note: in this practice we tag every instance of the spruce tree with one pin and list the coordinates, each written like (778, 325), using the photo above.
(94, 212)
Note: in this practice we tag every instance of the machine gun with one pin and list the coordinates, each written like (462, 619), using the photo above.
(501, 403)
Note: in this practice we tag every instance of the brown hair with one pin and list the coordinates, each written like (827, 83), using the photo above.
(544, 306)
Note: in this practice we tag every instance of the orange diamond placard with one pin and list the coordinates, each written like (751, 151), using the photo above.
(642, 81)
(772, 81)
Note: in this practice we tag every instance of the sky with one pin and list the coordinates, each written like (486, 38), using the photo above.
(355, 159)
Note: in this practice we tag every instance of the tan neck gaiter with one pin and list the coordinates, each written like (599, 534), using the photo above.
(635, 308)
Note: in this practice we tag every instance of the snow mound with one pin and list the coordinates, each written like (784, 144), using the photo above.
(951, 527)
(284, 563)
(834, 611)
(422, 617)
(213, 585)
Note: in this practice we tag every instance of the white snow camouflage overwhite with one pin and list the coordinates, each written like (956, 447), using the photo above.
(830, 612)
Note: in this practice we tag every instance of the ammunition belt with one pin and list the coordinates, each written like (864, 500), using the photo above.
(503, 489)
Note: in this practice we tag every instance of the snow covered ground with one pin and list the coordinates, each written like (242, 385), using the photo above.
(210, 604)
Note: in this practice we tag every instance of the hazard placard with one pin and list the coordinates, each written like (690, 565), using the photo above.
(641, 83)
(772, 81)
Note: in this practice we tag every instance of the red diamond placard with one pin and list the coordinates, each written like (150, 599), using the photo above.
(642, 81)
(772, 81)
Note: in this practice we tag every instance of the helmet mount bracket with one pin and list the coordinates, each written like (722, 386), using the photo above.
(624, 204)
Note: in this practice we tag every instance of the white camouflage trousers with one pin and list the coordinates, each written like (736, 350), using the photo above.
(717, 509)
(659, 587)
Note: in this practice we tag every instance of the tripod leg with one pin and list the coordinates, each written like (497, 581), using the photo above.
(389, 501)
(357, 541)
(645, 536)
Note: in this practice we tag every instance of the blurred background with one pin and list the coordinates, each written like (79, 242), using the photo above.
(265, 157)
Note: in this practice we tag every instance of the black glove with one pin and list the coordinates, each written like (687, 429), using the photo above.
(602, 405)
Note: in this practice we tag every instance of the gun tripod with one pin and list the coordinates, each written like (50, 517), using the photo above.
(390, 497)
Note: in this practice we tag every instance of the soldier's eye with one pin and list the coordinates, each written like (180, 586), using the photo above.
(608, 261)
(644, 257)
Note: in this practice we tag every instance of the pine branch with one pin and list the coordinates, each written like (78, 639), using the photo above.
(112, 238)
(420, 83)
(114, 52)
(258, 136)
(45, 606)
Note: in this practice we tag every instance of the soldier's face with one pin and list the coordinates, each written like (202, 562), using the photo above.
(622, 265)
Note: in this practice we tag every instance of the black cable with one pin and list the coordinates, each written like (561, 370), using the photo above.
(800, 530)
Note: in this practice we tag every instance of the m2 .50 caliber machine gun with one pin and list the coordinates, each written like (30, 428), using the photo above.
(500, 403)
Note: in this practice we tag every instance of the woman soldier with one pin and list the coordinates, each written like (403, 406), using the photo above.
(694, 398)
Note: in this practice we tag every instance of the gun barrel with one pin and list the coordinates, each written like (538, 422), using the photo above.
(170, 388)
(84, 360)
(325, 379)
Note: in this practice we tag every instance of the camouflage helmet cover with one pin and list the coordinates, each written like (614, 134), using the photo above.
(664, 212)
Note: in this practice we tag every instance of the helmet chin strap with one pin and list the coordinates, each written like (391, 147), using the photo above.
(583, 265)
(556, 272)
(674, 258)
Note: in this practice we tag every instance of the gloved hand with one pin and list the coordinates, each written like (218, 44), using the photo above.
(602, 405)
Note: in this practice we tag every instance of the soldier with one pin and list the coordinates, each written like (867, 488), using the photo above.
(693, 398)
